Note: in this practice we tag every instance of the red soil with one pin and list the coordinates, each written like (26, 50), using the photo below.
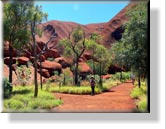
(116, 100)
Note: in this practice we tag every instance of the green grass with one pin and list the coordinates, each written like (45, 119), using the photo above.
(22, 100)
(82, 90)
(140, 94)
(142, 104)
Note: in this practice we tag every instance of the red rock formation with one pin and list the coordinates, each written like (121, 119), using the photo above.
(51, 67)
(53, 53)
(45, 73)
(106, 76)
(22, 60)
(84, 68)
(6, 50)
(63, 61)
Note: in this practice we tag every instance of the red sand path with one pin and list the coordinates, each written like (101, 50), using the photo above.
(116, 100)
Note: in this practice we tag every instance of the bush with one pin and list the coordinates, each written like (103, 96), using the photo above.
(67, 78)
(141, 95)
(125, 76)
(23, 74)
(137, 92)
(7, 88)
(142, 104)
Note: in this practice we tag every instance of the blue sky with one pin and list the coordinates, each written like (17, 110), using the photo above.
(83, 13)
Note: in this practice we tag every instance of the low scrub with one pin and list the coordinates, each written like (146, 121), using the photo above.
(7, 88)
(22, 100)
(122, 76)
(140, 94)
(82, 90)
(142, 104)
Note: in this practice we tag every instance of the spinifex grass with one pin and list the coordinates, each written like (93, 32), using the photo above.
(22, 100)
(82, 90)
(141, 95)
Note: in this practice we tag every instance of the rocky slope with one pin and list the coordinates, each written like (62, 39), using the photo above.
(110, 30)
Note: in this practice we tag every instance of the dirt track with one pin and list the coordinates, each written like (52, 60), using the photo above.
(116, 100)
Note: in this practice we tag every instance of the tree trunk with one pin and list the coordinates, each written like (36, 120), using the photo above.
(139, 81)
(121, 76)
(101, 81)
(76, 74)
(10, 63)
(35, 66)
(64, 80)
(41, 83)
(93, 65)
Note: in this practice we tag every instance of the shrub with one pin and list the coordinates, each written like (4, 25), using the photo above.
(142, 104)
(67, 77)
(7, 88)
(14, 104)
(50, 59)
(141, 95)
(137, 92)
(125, 76)
(23, 75)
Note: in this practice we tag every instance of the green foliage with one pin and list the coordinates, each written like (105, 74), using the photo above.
(122, 76)
(142, 104)
(74, 90)
(141, 95)
(74, 45)
(15, 23)
(100, 55)
(86, 89)
(77, 34)
(23, 74)
(67, 78)
(96, 37)
(131, 50)
(50, 59)
(7, 88)
(138, 92)
(25, 102)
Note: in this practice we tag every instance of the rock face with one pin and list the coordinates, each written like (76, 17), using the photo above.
(45, 73)
(6, 50)
(63, 61)
(51, 67)
(23, 60)
(53, 53)
(84, 68)
(111, 30)
(106, 76)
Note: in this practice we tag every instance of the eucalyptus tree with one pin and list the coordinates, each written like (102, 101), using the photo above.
(103, 61)
(74, 47)
(15, 27)
(132, 49)
(36, 16)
